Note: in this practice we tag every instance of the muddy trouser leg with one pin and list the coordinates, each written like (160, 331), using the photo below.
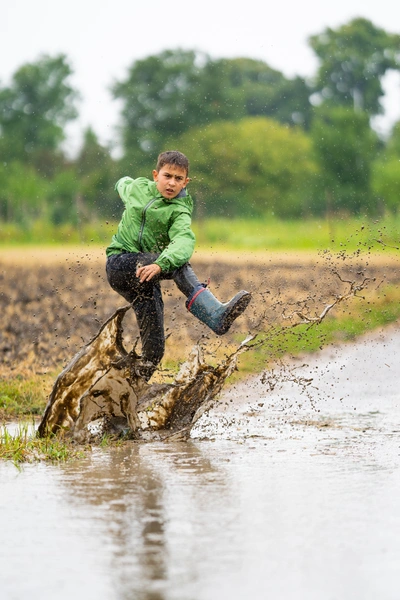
(217, 315)
(186, 279)
(150, 318)
(146, 300)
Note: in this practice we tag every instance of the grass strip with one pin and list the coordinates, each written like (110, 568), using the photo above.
(264, 233)
(24, 396)
(343, 326)
(23, 446)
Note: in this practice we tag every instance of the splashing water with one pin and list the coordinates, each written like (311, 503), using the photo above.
(99, 391)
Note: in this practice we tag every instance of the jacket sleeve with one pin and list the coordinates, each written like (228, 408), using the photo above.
(181, 246)
(123, 186)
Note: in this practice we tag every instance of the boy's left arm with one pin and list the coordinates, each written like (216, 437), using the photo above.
(181, 246)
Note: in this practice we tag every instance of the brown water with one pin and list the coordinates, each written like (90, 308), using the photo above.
(274, 497)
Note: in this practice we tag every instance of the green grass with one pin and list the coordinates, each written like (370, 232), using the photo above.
(280, 342)
(21, 396)
(314, 234)
(43, 233)
(23, 446)
(269, 234)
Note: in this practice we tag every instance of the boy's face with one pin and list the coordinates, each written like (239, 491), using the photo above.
(170, 180)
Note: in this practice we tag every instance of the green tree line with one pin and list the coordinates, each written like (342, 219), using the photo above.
(259, 143)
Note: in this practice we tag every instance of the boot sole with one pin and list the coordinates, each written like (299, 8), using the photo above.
(235, 311)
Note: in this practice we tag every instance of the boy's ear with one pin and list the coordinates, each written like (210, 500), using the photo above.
(155, 175)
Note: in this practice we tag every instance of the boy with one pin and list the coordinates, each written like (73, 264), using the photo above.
(154, 241)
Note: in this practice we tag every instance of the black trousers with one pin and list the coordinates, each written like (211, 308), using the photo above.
(146, 298)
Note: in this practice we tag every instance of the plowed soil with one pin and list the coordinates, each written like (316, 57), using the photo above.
(52, 301)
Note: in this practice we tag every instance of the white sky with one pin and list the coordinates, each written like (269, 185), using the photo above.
(103, 38)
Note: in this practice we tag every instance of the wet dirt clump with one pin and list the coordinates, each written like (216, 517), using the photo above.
(101, 385)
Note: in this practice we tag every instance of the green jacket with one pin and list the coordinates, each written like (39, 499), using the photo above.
(152, 223)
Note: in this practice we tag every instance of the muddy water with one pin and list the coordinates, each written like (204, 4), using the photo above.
(278, 495)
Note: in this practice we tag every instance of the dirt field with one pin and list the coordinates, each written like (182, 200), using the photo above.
(53, 300)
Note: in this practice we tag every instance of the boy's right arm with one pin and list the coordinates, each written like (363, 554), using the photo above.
(122, 187)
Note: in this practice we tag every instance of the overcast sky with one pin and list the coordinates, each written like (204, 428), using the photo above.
(103, 38)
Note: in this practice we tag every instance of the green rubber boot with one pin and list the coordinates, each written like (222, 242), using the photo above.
(210, 311)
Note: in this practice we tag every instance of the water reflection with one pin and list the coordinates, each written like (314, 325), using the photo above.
(288, 501)
(147, 496)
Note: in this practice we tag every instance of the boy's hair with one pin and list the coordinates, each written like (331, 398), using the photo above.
(173, 157)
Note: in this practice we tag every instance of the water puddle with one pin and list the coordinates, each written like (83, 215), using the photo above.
(20, 429)
(289, 493)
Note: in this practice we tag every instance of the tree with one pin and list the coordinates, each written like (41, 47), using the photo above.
(255, 166)
(35, 108)
(97, 173)
(63, 198)
(386, 173)
(354, 58)
(345, 147)
(164, 95)
(22, 193)
(167, 94)
(258, 90)
(92, 155)
(393, 144)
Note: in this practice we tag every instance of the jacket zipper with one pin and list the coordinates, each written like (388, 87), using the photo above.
(143, 221)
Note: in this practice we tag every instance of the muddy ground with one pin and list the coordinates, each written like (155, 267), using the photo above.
(52, 301)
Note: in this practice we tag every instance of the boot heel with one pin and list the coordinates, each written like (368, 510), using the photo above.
(234, 309)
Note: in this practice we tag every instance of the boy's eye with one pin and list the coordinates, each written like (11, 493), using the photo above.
(177, 177)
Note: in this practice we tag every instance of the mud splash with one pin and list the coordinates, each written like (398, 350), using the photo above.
(100, 392)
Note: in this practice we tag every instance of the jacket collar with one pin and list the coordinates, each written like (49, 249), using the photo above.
(182, 194)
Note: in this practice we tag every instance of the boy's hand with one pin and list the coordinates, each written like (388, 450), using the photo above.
(147, 272)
